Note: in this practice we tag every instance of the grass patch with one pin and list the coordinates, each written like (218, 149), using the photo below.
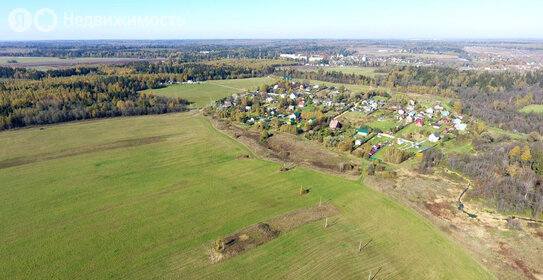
(366, 71)
(149, 211)
(204, 93)
(383, 125)
(534, 108)
(338, 85)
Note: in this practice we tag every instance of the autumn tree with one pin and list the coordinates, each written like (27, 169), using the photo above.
(458, 107)
(514, 152)
(526, 154)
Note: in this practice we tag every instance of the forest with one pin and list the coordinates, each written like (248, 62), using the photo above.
(508, 175)
(50, 100)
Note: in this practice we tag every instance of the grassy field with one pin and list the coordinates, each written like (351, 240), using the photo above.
(366, 71)
(534, 108)
(100, 200)
(202, 94)
(337, 85)
(249, 62)
(383, 125)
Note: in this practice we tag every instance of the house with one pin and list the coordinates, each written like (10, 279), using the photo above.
(311, 120)
(409, 119)
(419, 122)
(363, 132)
(295, 116)
(445, 113)
(290, 107)
(434, 137)
(461, 126)
(227, 104)
(358, 142)
(292, 96)
(334, 124)
(436, 126)
(301, 104)
(247, 108)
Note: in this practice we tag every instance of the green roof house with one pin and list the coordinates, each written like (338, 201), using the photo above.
(363, 132)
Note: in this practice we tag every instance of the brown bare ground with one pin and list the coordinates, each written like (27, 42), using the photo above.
(259, 234)
(516, 262)
(434, 197)
(539, 234)
(290, 149)
(440, 208)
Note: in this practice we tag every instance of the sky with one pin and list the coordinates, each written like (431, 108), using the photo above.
(242, 19)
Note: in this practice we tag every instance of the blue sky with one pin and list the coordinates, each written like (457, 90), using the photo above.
(208, 19)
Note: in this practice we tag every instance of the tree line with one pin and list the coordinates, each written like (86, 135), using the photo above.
(25, 102)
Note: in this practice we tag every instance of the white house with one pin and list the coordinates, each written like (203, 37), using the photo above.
(460, 126)
(434, 137)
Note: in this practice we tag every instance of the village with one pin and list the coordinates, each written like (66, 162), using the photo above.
(373, 125)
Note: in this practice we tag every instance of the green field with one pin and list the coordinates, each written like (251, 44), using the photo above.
(534, 108)
(383, 125)
(337, 85)
(366, 71)
(144, 197)
(203, 93)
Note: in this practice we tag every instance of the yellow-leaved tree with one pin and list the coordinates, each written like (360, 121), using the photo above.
(514, 152)
(526, 154)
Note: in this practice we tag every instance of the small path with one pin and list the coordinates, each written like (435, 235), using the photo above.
(219, 85)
